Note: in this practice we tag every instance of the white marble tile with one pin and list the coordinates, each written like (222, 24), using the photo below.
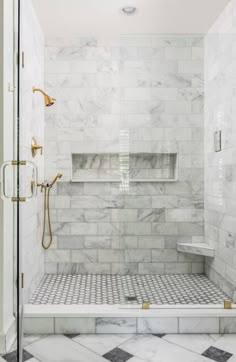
(215, 336)
(102, 343)
(31, 338)
(199, 325)
(115, 325)
(153, 349)
(38, 325)
(156, 105)
(194, 342)
(227, 325)
(227, 343)
(61, 349)
(74, 325)
(157, 325)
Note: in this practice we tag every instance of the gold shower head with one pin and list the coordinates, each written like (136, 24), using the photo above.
(49, 101)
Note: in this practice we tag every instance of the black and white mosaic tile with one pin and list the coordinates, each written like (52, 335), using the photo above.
(127, 289)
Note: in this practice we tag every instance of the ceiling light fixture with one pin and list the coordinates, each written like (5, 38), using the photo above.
(128, 10)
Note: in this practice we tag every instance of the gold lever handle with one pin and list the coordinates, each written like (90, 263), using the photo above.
(35, 147)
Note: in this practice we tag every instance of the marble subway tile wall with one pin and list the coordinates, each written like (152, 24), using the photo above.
(31, 124)
(220, 177)
(149, 89)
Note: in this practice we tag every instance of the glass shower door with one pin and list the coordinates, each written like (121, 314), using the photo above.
(19, 176)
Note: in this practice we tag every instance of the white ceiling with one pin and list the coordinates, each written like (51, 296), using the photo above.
(103, 17)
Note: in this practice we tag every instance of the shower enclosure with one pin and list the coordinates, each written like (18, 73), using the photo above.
(143, 218)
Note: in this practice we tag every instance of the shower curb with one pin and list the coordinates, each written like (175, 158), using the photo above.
(100, 319)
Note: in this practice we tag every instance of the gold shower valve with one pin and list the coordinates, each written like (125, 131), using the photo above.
(35, 147)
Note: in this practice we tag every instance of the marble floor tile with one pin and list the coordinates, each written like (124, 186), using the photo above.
(131, 348)
(118, 355)
(28, 339)
(216, 337)
(194, 342)
(152, 349)
(159, 335)
(71, 336)
(58, 348)
(227, 343)
(102, 343)
(217, 354)
(12, 356)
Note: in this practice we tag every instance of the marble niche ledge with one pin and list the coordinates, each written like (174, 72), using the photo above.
(124, 167)
(196, 248)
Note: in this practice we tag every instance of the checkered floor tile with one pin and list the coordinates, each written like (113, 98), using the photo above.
(127, 289)
(123, 348)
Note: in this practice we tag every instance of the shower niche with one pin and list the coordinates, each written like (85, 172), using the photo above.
(132, 167)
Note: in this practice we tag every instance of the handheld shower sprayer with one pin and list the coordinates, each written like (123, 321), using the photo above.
(46, 187)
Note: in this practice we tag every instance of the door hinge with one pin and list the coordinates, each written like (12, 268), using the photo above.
(22, 280)
(20, 199)
(23, 59)
(20, 163)
(11, 88)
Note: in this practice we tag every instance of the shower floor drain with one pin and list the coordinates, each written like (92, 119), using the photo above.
(131, 298)
(127, 289)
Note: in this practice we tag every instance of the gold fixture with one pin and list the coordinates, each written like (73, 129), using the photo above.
(35, 147)
(227, 304)
(20, 163)
(49, 101)
(59, 175)
(146, 304)
(46, 187)
(20, 199)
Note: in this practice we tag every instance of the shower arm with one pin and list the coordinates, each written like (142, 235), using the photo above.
(39, 90)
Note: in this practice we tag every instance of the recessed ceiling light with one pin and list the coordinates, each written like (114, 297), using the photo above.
(128, 10)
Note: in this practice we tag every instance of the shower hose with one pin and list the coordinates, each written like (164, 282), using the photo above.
(46, 214)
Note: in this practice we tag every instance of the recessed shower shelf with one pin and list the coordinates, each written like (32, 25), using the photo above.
(124, 167)
(196, 248)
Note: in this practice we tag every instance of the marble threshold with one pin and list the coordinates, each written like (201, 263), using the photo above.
(203, 249)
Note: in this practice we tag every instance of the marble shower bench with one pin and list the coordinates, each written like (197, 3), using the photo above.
(196, 248)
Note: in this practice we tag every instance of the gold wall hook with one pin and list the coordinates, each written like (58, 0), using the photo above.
(35, 147)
